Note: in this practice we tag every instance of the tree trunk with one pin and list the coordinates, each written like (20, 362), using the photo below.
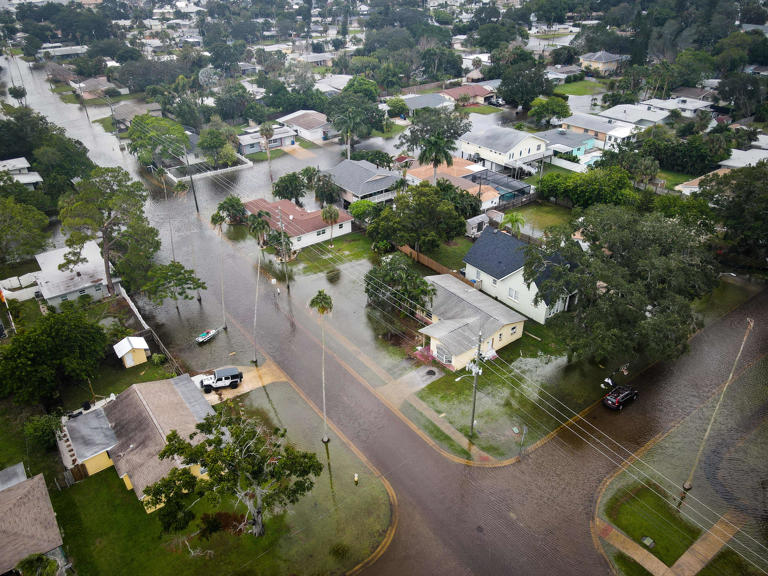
(434, 175)
(107, 271)
(349, 144)
(269, 163)
(332, 223)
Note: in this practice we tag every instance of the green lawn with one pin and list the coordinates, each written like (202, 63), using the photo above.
(320, 257)
(674, 178)
(306, 143)
(262, 156)
(728, 294)
(729, 563)
(639, 512)
(451, 254)
(508, 398)
(482, 109)
(62, 88)
(113, 378)
(18, 268)
(71, 98)
(548, 168)
(334, 527)
(106, 123)
(580, 88)
(543, 215)
(393, 131)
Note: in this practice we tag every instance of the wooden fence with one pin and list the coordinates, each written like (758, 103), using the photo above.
(431, 264)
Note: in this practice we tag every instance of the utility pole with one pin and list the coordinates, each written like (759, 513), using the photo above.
(476, 370)
(688, 484)
(282, 245)
(191, 181)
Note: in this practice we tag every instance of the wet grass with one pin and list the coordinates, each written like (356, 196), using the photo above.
(534, 178)
(729, 563)
(307, 144)
(629, 567)
(104, 524)
(674, 178)
(580, 88)
(434, 432)
(727, 295)
(451, 254)
(484, 109)
(14, 447)
(106, 123)
(640, 512)
(393, 131)
(543, 215)
(262, 156)
(322, 258)
(18, 268)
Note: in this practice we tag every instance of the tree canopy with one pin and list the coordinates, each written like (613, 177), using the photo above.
(152, 138)
(22, 230)
(635, 283)
(396, 286)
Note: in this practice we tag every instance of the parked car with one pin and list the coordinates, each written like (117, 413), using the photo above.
(228, 376)
(618, 396)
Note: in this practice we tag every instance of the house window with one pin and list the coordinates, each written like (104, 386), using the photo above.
(477, 274)
(514, 295)
(321, 232)
(513, 330)
(341, 226)
(538, 147)
(64, 298)
(494, 281)
(98, 288)
(585, 131)
(501, 337)
(520, 154)
(81, 291)
(298, 239)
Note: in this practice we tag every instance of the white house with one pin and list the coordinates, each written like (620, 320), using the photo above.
(363, 180)
(250, 141)
(743, 158)
(502, 147)
(87, 278)
(641, 116)
(309, 124)
(607, 132)
(458, 314)
(688, 107)
(18, 168)
(495, 263)
(302, 227)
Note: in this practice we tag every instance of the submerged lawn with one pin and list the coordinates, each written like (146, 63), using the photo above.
(322, 258)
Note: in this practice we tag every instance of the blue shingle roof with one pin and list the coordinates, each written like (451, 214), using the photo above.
(496, 254)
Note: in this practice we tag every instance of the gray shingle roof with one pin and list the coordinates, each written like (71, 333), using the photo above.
(497, 254)
(495, 138)
(362, 178)
(563, 137)
(419, 101)
(90, 434)
(463, 312)
(603, 56)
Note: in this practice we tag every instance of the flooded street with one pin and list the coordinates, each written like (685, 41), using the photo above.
(464, 519)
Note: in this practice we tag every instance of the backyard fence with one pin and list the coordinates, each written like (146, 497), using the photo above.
(431, 264)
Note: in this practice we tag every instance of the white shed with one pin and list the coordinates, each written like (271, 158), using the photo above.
(132, 350)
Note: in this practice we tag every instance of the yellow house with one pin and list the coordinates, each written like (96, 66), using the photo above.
(128, 431)
(459, 313)
(603, 62)
(132, 350)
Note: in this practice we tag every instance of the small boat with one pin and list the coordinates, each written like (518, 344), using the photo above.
(206, 336)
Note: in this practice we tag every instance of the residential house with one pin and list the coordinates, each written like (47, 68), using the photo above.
(476, 225)
(458, 314)
(743, 158)
(124, 112)
(254, 89)
(302, 227)
(90, 88)
(309, 124)
(251, 141)
(467, 60)
(559, 72)
(322, 59)
(505, 189)
(61, 53)
(477, 94)
(495, 263)
(502, 148)
(362, 180)
(641, 116)
(692, 186)
(27, 520)
(695, 93)
(18, 168)
(128, 431)
(607, 132)
(247, 68)
(432, 100)
(565, 141)
(688, 107)
(603, 62)
(457, 174)
(132, 350)
(85, 279)
(332, 84)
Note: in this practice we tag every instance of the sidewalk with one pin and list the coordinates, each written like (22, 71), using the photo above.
(690, 563)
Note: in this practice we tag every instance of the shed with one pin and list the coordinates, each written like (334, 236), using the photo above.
(476, 225)
(132, 350)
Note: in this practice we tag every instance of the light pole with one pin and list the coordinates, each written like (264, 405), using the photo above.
(474, 367)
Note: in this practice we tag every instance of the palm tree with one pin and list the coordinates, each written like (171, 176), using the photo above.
(310, 176)
(348, 123)
(436, 150)
(515, 221)
(160, 172)
(258, 225)
(267, 131)
(323, 303)
(330, 215)
(218, 219)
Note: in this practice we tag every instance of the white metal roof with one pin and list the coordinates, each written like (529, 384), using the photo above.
(130, 343)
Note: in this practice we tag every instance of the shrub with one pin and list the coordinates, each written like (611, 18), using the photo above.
(158, 359)
(41, 430)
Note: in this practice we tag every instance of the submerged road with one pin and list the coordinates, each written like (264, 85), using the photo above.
(529, 518)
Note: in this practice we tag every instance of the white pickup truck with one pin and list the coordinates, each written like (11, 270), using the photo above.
(226, 377)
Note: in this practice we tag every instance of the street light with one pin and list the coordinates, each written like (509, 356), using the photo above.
(474, 367)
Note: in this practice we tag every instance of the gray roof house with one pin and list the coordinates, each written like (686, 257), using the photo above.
(27, 520)
(502, 147)
(495, 264)
(458, 314)
(360, 179)
(642, 116)
(87, 278)
(562, 140)
(130, 430)
(433, 100)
